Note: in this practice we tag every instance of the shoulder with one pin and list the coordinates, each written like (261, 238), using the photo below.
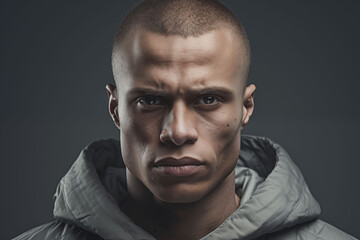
(312, 230)
(57, 231)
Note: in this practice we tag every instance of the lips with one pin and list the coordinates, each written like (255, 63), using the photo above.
(178, 166)
(177, 162)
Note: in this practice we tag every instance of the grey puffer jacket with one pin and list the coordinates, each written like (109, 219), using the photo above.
(275, 200)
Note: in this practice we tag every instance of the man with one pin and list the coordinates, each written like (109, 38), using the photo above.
(180, 102)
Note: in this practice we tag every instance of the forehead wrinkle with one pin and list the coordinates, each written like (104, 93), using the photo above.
(175, 85)
(152, 48)
(152, 82)
(171, 75)
(165, 58)
(172, 78)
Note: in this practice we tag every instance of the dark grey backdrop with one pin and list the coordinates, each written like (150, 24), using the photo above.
(55, 62)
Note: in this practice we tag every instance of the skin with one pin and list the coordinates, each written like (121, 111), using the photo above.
(181, 98)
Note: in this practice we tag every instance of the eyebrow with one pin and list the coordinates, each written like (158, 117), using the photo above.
(212, 90)
(146, 91)
(224, 92)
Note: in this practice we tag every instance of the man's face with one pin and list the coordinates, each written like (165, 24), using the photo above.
(180, 107)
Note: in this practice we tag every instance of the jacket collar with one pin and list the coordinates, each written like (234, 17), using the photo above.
(273, 193)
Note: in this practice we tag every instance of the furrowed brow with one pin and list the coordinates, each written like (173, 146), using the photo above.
(212, 90)
(146, 91)
(223, 92)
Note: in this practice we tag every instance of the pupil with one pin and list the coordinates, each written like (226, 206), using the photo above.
(209, 100)
(150, 100)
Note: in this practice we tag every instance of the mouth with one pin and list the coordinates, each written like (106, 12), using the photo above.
(178, 166)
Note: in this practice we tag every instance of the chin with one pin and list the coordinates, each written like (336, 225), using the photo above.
(180, 194)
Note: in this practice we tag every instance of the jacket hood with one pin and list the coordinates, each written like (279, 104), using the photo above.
(274, 195)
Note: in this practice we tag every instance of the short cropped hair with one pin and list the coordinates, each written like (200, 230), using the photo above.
(185, 18)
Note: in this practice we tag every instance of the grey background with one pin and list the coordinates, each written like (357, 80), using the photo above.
(55, 62)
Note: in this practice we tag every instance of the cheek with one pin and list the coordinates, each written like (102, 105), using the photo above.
(138, 134)
(222, 132)
(142, 128)
(222, 124)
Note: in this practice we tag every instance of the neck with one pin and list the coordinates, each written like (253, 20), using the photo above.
(181, 220)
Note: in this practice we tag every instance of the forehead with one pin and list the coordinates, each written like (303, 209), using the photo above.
(151, 48)
(143, 47)
(149, 57)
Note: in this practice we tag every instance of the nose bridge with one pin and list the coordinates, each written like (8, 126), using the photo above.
(178, 125)
(178, 115)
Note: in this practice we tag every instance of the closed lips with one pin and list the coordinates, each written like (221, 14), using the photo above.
(177, 162)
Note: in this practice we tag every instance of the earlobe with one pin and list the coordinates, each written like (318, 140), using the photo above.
(113, 104)
(248, 104)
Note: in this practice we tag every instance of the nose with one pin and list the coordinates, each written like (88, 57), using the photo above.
(178, 126)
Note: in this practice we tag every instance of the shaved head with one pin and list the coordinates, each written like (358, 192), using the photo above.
(181, 68)
(184, 18)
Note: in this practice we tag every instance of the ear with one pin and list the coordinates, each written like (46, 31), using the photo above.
(113, 104)
(248, 104)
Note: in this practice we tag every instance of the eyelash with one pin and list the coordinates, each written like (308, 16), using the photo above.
(142, 99)
(215, 98)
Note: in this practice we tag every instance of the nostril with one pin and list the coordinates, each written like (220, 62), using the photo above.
(164, 136)
(178, 138)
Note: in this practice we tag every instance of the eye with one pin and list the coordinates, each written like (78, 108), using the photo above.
(208, 100)
(150, 100)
